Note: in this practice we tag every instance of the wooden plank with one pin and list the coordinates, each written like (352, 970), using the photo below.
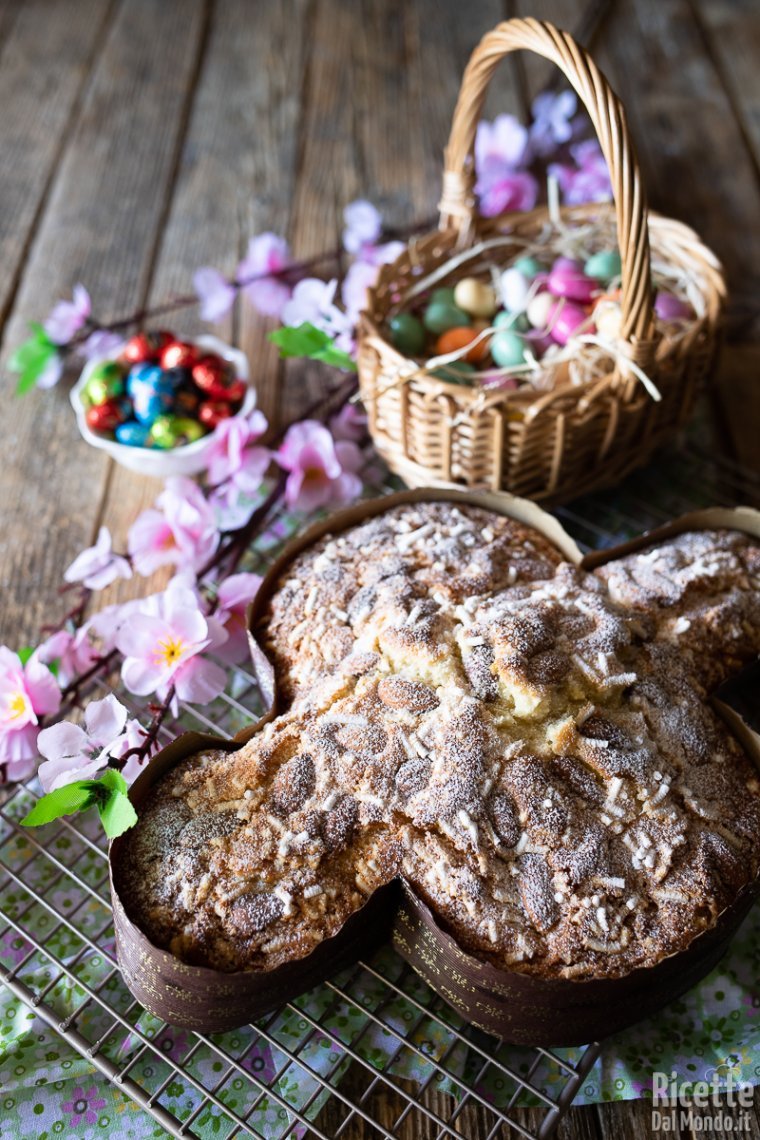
(632, 1120)
(45, 57)
(731, 36)
(574, 16)
(234, 178)
(379, 92)
(653, 54)
(100, 227)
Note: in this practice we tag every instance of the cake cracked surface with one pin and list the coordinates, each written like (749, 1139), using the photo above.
(529, 745)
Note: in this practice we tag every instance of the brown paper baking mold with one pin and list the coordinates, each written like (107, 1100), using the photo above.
(519, 1007)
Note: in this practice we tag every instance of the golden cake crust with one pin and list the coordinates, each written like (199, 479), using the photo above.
(528, 744)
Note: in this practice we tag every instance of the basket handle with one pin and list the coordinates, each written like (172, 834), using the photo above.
(458, 206)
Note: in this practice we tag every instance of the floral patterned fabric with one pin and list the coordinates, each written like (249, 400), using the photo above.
(48, 1089)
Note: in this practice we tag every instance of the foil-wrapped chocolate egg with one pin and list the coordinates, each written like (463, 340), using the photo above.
(179, 354)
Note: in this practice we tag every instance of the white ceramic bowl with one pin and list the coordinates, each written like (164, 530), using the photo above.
(186, 460)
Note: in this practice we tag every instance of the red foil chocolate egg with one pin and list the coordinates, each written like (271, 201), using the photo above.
(178, 354)
(215, 377)
(145, 347)
(212, 412)
(106, 416)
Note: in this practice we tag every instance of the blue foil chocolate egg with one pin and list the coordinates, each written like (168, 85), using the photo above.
(133, 434)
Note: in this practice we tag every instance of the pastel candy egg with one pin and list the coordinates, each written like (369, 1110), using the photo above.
(528, 266)
(603, 265)
(455, 339)
(566, 320)
(443, 293)
(458, 372)
(539, 309)
(608, 318)
(407, 333)
(567, 279)
(508, 349)
(516, 321)
(133, 434)
(475, 297)
(671, 308)
(442, 315)
(514, 288)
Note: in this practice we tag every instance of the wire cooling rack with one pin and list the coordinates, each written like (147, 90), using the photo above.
(371, 1053)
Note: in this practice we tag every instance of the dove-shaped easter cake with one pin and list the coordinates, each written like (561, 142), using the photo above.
(519, 750)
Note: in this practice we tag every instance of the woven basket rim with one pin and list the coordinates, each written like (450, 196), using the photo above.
(370, 324)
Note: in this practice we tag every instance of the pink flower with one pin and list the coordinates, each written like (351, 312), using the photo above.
(588, 180)
(75, 753)
(321, 471)
(97, 566)
(133, 737)
(51, 373)
(500, 189)
(364, 225)
(552, 120)
(84, 1106)
(106, 623)
(382, 254)
(74, 652)
(68, 317)
(101, 343)
(499, 155)
(234, 595)
(27, 692)
(233, 456)
(181, 532)
(503, 141)
(266, 254)
(215, 293)
(349, 424)
(360, 277)
(313, 301)
(162, 643)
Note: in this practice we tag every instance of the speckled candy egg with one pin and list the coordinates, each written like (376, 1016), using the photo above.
(442, 315)
(475, 297)
(566, 320)
(603, 265)
(671, 308)
(518, 322)
(539, 309)
(528, 266)
(514, 288)
(457, 372)
(567, 279)
(407, 334)
(508, 349)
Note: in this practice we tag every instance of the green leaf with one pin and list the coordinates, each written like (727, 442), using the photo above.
(307, 340)
(26, 651)
(117, 814)
(63, 801)
(114, 781)
(31, 358)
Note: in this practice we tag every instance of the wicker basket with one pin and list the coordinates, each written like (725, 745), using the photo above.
(554, 444)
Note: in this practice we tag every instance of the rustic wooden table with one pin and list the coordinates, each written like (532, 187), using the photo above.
(140, 139)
